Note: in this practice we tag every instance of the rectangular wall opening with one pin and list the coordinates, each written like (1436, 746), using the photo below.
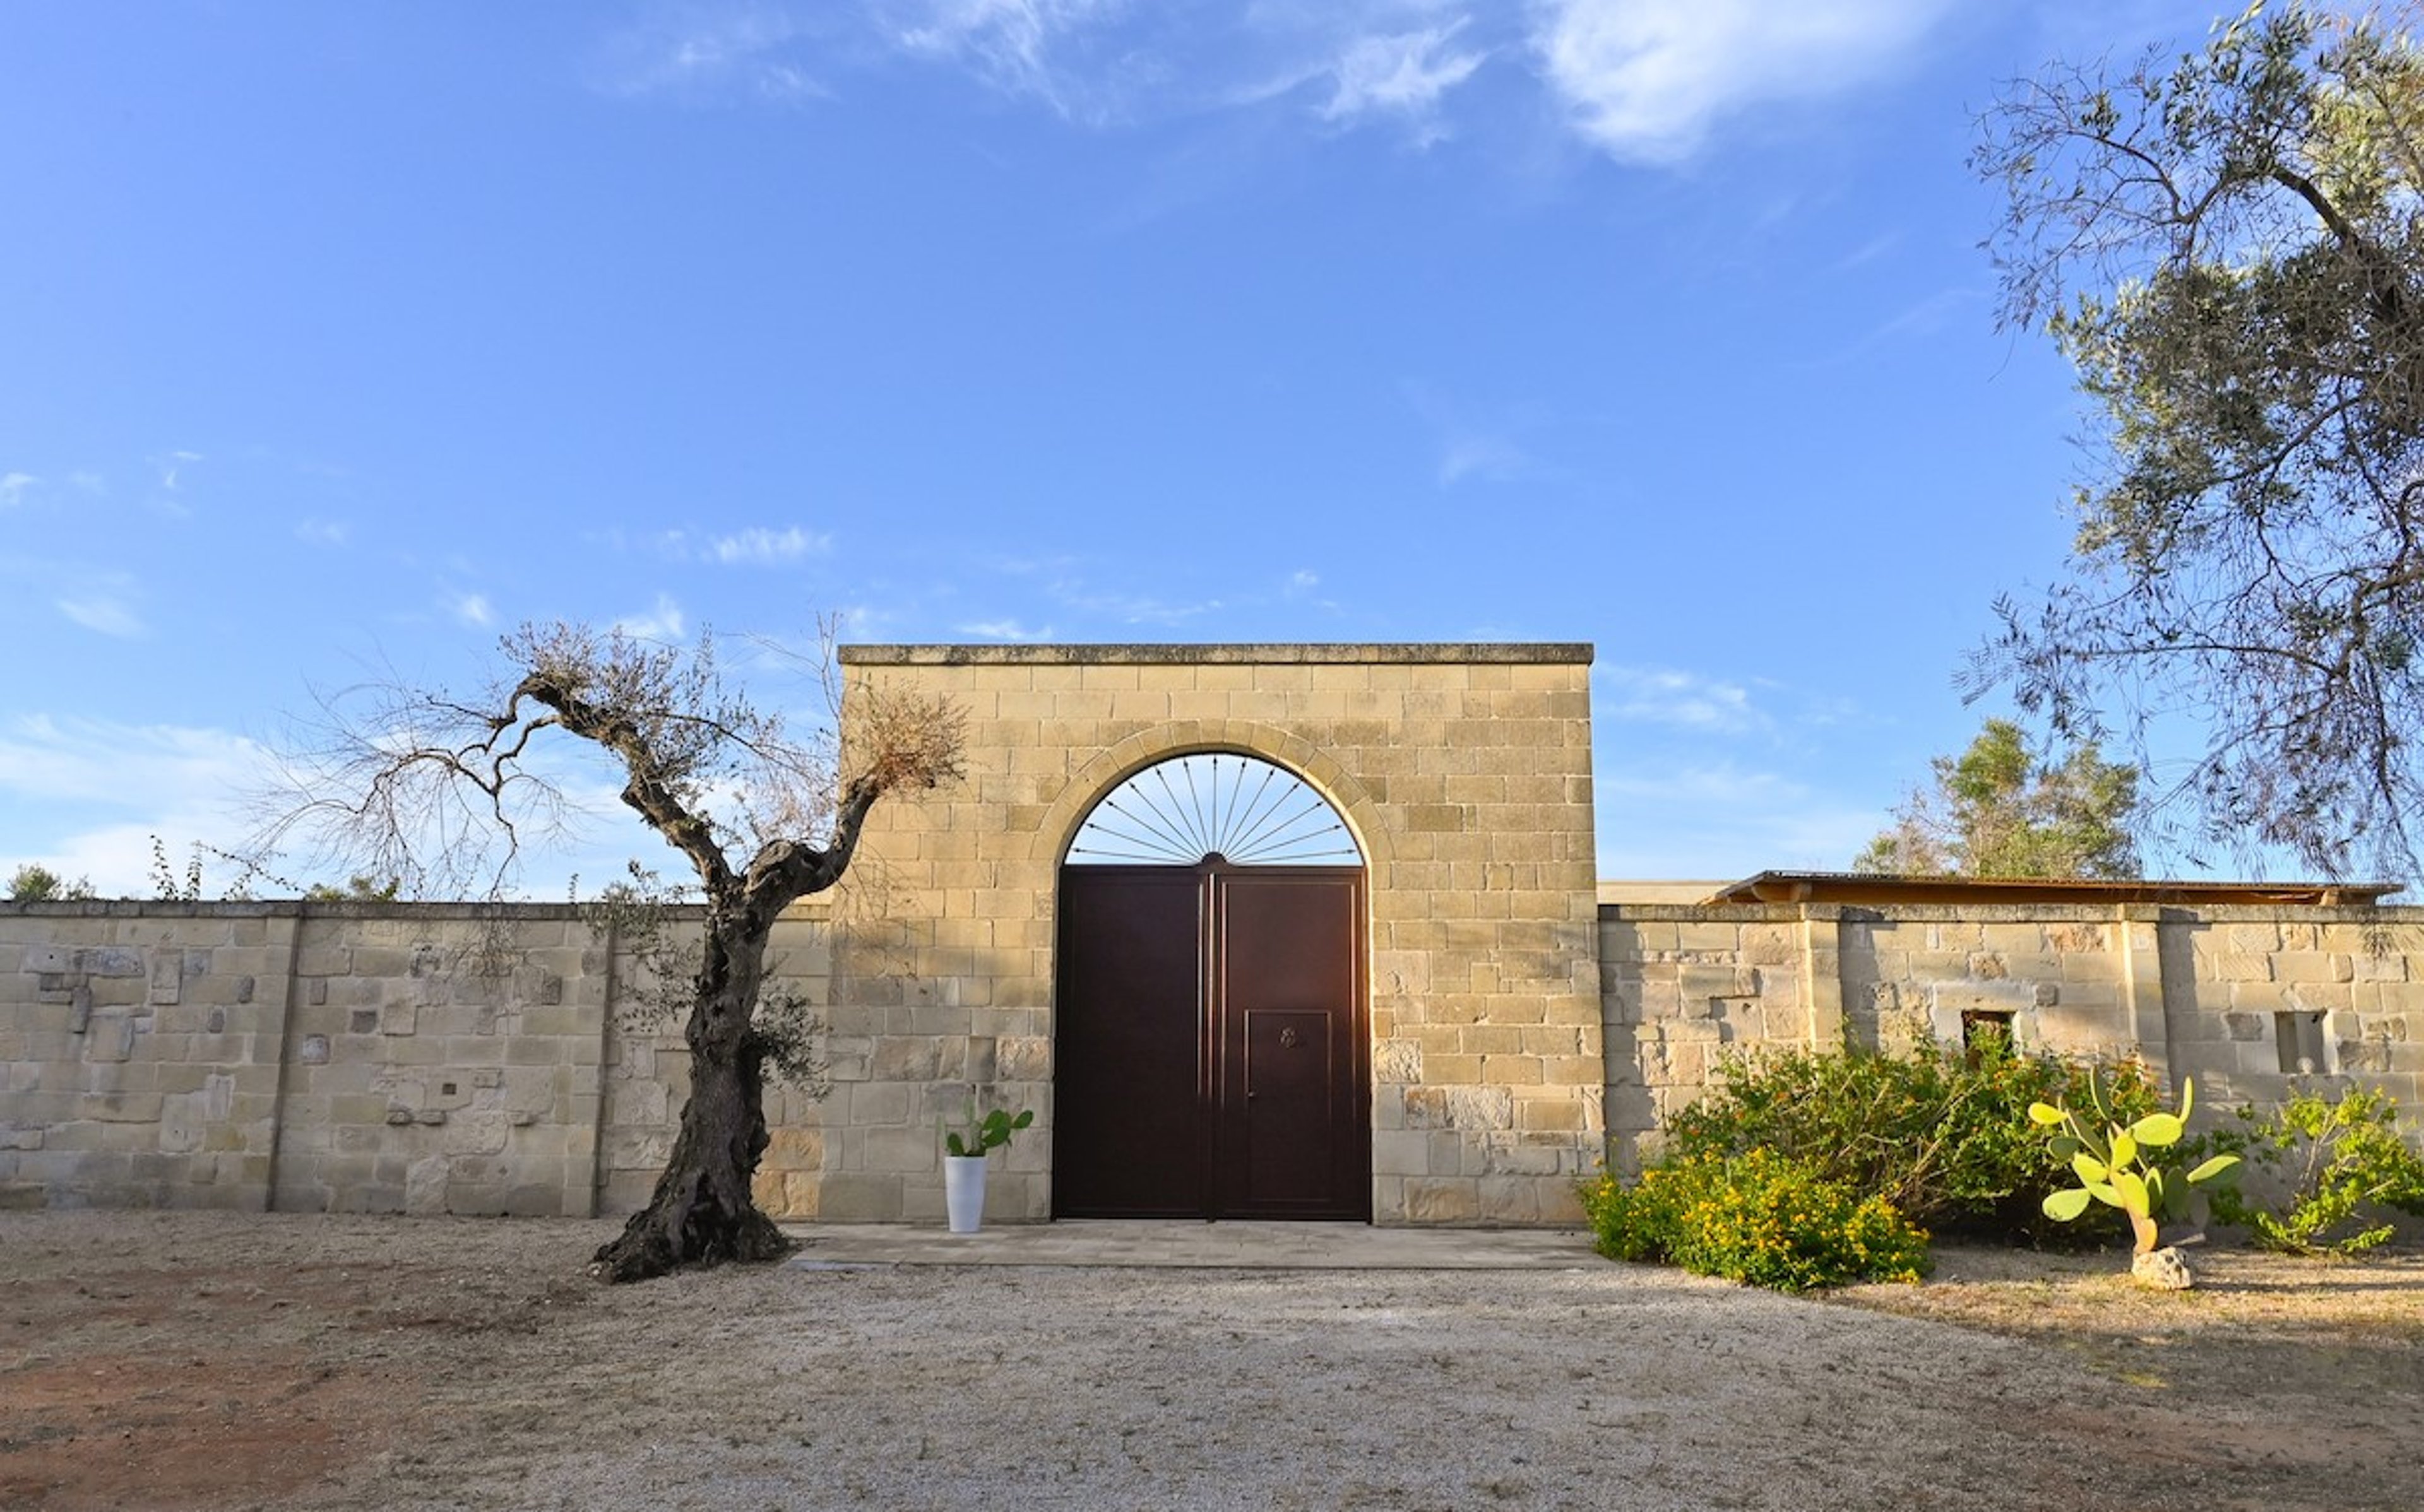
(2298, 1037)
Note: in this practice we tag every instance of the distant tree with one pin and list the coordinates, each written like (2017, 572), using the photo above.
(436, 791)
(2229, 246)
(1996, 811)
(358, 889)
(36, 883)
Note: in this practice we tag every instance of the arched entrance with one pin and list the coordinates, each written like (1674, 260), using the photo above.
(1212, 1043)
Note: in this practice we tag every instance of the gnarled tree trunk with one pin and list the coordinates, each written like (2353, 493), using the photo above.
(702, 1212)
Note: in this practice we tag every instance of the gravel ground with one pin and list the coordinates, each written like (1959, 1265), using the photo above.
(159, 1360)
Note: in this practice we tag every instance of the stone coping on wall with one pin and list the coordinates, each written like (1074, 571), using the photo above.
(813, 909)
(1949, 912)
(1347, 654)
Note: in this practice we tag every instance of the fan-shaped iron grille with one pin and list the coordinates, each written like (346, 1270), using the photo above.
(1240, 808)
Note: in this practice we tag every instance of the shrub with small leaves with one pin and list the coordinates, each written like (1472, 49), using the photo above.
(1940, 1132)
(2341, 1162)
(1758, 1218)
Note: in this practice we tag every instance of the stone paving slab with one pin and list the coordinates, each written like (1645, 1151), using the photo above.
(1192, 1244)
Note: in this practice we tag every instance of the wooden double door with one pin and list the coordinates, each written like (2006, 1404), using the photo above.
(1211, 1051)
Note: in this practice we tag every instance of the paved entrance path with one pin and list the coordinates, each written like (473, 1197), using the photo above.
(1193, 1244)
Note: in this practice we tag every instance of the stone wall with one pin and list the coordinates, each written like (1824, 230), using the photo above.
(2238, 998)
(430, 1059)
(346, 1056)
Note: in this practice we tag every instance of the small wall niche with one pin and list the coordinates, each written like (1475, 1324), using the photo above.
(1978, 1023)
(2298, 1038)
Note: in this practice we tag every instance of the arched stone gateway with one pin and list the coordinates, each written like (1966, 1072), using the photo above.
(1451, 1069)
(1212, 1048)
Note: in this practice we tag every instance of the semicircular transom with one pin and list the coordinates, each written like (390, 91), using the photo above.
(1219, 805)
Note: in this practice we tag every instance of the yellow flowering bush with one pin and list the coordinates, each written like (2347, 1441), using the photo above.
(1758, 1218)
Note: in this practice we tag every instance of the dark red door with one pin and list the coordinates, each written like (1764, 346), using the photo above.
(1210, 1041)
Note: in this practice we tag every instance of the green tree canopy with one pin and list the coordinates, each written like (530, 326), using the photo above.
(33, 883)
(1996, 811)
(2229, 246)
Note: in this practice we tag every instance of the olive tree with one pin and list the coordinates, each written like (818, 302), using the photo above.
(1998, 810)
(2229, 246)
(442, 793)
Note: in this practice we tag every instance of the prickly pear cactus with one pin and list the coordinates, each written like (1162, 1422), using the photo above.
(2118, 1166)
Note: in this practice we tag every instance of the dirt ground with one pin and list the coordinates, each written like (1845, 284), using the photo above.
(212, 1361)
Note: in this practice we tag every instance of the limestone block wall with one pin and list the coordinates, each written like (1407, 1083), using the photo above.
(1464, 773)
(2238, 998)
(376, 1057)
(2351, 981)
(1682, 985)
(139, 1054)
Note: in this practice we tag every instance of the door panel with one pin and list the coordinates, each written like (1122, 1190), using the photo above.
(1288, 981)
(1130, 1124)
(1211, 1043)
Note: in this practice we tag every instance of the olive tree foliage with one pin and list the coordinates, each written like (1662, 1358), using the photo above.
(443, 792)
(2229, 246)
(1999, 811)
(33, 883)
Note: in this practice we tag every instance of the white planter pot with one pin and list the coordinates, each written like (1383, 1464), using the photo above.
(963, 1178)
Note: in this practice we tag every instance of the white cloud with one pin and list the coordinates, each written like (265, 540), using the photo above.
(736, 52)
(324, 532)
(172, 464)
(13, 487)
(1130, 609)
(475, 611)
(1720, 820)
(86, 796)
(1003, 630)
(1406, 75)
(76, 759)
(765, 548)
(661, 623)
(1646, 80)
(1470, 450)
(103, 607)
(1015, 45)
(1685, 700)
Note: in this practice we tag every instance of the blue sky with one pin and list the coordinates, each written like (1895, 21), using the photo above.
(336, 338)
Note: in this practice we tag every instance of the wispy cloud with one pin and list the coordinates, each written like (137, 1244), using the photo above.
(1003, 630)
(664, 622)
(765, 548)
(1020, 47)
(1720, 820)
(1129, 607)
(473, 610)
(104, 604)
(1472, 449)
(14, 487)
(172, 466)
(1648, 80)
(1406, 75)
(322, 531)
(72, 760)
(704, 53)
(1303, 586)
(1685, 700)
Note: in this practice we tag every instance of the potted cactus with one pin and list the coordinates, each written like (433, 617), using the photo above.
(963, 1162)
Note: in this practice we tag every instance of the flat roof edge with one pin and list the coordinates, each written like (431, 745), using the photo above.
(1271, 654)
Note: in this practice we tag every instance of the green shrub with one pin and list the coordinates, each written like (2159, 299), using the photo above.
(1757, 1218)
(2339, 1161)
(1942, 1134)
